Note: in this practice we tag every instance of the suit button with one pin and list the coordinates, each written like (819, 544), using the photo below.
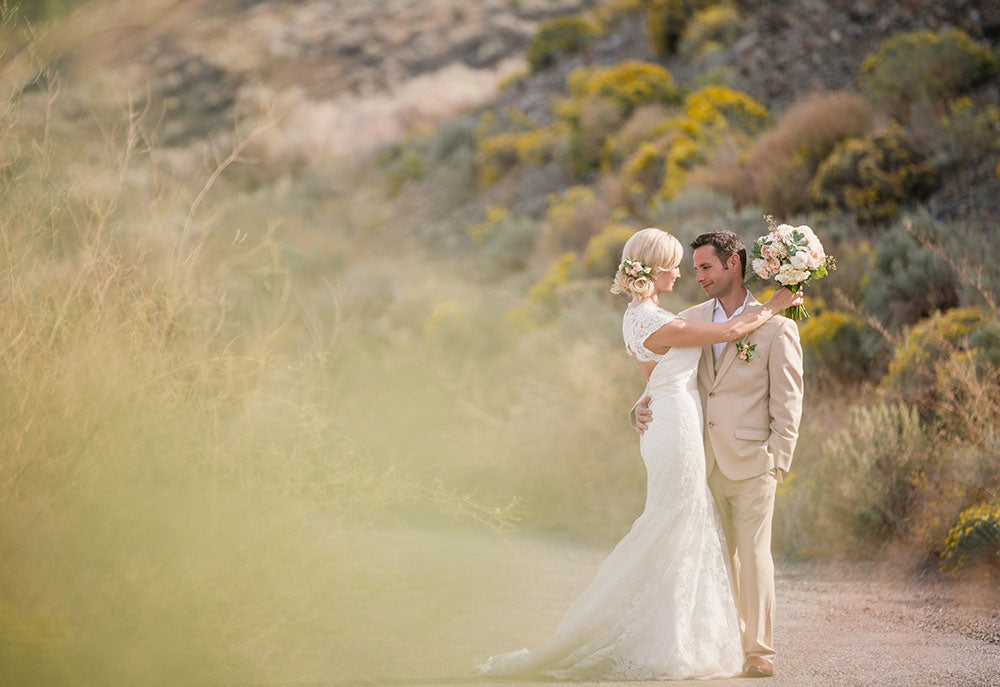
(711, 424)
(711, 394)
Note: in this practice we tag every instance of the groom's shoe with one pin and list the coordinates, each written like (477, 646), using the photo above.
(756, 666)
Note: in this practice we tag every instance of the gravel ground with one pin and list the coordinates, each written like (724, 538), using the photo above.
(849, 624)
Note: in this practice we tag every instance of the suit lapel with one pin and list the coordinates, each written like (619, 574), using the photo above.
(729, 352)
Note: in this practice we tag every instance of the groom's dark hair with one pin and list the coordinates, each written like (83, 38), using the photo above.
(726, 244)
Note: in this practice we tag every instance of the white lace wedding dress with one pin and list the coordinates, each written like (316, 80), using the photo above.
(661, 605)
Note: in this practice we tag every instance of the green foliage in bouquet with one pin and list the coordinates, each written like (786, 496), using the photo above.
(923, 64)
(975, 539)
(666, 21)
(716, 26)
(872, 177)
(558, 37)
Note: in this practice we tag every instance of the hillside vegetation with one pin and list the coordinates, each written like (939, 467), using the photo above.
(231, 350)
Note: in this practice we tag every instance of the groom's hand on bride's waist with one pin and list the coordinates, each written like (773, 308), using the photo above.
(643, 415)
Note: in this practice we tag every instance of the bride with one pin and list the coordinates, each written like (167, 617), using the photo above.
(661, 605)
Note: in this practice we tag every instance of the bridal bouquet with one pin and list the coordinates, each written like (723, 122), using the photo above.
(792, 256)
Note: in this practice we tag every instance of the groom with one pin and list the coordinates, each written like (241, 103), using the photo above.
(751, 415)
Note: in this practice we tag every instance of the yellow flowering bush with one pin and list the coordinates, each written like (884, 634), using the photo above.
(498, 153)
(603, 253)
(872, 176)
(911, 66)
(975, 539)
(545, 291)
(659, 167)
(711, 29)
(914, 370)
(645, 171)
(831, 342)
(560, 36)
(645, 124)
(600, 98)
(717, 109)
(629, 84)
(573, 217)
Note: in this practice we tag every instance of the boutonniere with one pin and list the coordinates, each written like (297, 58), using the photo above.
(746, 351)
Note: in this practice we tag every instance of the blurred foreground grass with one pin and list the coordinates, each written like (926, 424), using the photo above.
(216, 386)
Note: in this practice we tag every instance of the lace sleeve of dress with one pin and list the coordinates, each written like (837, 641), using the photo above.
(639, 322)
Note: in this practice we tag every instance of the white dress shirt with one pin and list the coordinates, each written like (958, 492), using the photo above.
(719, 315)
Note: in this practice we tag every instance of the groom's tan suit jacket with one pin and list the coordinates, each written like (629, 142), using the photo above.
(751, 410)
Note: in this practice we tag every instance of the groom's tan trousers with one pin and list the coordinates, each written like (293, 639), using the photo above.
(746, 507)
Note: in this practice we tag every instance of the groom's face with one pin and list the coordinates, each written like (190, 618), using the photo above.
(710, 273)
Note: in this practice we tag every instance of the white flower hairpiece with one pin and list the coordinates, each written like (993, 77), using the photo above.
(635, 269)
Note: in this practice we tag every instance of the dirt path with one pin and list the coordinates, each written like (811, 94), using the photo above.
(465, 596)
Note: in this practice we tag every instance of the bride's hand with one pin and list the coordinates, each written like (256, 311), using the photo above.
(784, 299)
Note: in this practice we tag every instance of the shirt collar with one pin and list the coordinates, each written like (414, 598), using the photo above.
(720, 309)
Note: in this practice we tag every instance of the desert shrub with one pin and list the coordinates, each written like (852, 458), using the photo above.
(963, 134)
(872, 177)
(831, 342)
(859, 491)
(922, 64)
(545, 291)
(776, 171)
(604, 251)
(610, 13)
(914, 373)
(601, 98)
(452, 137)
(666, 21)
(645, 172)
(975, 539)
(629, 84)
(401, 165)
(719, 109)
(710, 29)
(643, 125)
(598, 119)
(506, 243)
(908, 282)
(498, 153)
(558, 37)
(573, 217)
(659, 168)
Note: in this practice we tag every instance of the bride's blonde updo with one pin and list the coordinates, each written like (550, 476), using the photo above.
(655, 249)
